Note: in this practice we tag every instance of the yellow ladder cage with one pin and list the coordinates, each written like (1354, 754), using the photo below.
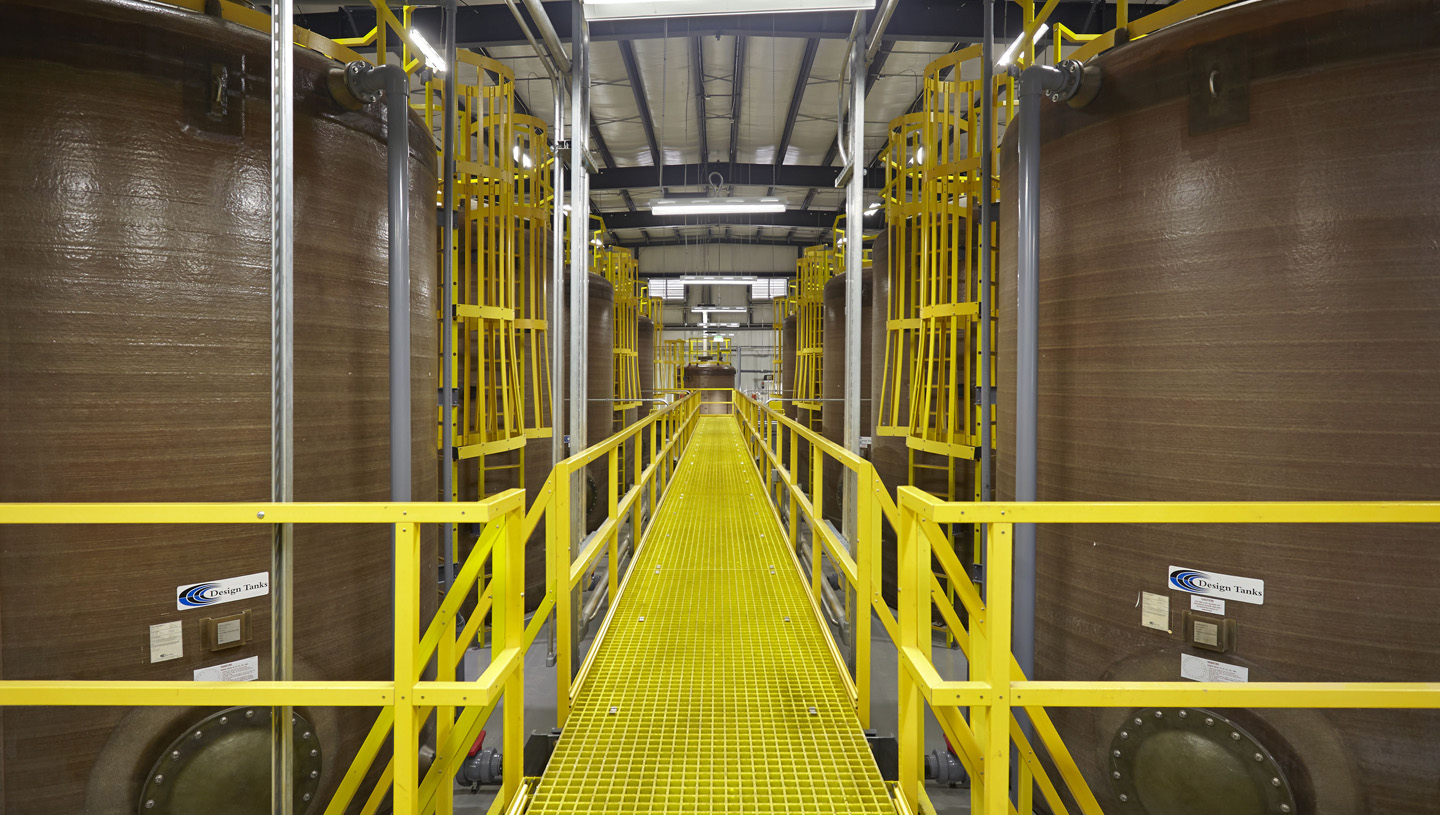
(534, 206)
(654, 309)
(812, 271)
(617, 265)
(669, 365)
(781, 308)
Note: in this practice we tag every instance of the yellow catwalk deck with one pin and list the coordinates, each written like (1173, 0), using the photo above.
(714, 689)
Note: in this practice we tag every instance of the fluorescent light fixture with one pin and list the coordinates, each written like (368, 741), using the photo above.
(722, 280)
(630, 9)
(719, 309)
(432, 57)
(722, 325)
(523, 159)
(1014, 48)
(715, 206)
(874, 205)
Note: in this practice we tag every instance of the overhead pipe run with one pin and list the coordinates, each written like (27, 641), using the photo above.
(1077, 85)
(549, 35)
(546, 60)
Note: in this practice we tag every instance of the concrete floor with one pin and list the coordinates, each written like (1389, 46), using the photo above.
(540, 709)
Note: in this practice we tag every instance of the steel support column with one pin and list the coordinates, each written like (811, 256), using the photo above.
(854, 262)
(282, 382)
(579, 288)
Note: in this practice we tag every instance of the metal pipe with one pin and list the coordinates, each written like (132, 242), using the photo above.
(579, 285)
(361, 83)
(1066, 81)
(857, 28)
(987, 150)
(830, 603)
(558, 324)
(547, 33)
(544, 55)
(854, 262)
(878, 30)
(282, 406)
(447, 301)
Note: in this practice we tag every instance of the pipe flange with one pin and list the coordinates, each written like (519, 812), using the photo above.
(348, 86)
(1078, 83)
(1191, 761)
(221, 766)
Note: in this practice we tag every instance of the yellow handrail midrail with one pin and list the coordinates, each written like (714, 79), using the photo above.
(996, 685)
(406, 699)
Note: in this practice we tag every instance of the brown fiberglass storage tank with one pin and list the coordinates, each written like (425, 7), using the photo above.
(711, 375)
(1239, 301)
(832, 383)
(600, 385)
(646, 349)
(532, 301)
(789, 344)
(890, 454)
(135, 356)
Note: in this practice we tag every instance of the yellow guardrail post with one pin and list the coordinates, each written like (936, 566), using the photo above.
(912, 573)
(406, 795)
(996, 746)
(868, 536)
(557, 530)
(613, 510)
(508, 629)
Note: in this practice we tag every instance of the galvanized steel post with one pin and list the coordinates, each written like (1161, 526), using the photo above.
(579, 285)
(282, 377)
(854, 262)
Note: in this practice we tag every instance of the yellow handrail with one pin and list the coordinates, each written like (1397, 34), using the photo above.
(405, 700)
(996, 685)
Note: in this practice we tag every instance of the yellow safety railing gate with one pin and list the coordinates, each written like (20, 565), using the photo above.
(406, 700)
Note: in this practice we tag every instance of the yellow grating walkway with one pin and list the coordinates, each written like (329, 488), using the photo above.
(714, 689)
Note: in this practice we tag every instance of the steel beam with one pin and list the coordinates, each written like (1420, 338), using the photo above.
(737, 89)
(912, 21)
(756, 175)
(642, 103)
(807, 61)
(702, 111)
(646, 220)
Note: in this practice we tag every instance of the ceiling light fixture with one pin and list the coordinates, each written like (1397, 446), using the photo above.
(719, 309)
(432, 57)
(723, 280)
(715, 206)
(1014, 48)
(630, 9)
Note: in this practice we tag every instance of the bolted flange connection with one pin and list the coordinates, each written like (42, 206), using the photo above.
(943, 767)
(481, 769)
(350, 86)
